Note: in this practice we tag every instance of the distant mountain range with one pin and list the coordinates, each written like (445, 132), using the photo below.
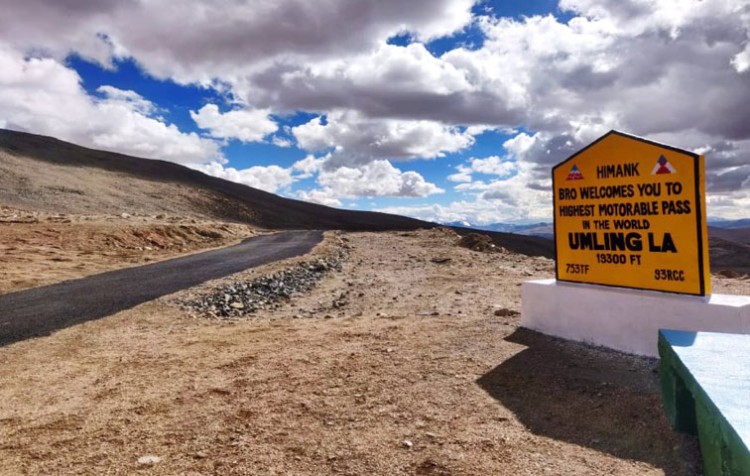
(540, 229)
(730, 224)
(545, 229)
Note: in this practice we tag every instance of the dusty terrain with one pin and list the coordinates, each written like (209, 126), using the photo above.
(38, 248)
(409, 360)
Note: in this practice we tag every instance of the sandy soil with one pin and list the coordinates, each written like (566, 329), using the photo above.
(39, 248)
(397, 364)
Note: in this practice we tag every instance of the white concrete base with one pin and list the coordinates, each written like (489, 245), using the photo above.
(625, 319)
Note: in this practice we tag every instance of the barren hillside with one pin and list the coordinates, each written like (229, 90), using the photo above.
(44, 174)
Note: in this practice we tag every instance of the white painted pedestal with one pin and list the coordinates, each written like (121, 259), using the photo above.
(624, 319)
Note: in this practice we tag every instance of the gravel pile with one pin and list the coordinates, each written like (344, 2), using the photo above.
(238, 299)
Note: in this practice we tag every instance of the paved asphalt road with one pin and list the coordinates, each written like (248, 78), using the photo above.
(40, 311)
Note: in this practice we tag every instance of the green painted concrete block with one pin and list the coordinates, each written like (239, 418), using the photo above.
(705, 379)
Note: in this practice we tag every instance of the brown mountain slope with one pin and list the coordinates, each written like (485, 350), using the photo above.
(737, 235)
(728, 255)
(45, 174)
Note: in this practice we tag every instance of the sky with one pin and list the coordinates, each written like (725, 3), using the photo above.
(445, 110)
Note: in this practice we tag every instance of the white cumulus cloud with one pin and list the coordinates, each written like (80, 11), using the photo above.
(354, 140)
(41, 95)
(672, 70)
(243, 125)
(376, 179)
(270, 178)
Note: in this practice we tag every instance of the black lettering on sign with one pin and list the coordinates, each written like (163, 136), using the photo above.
(632, 224)
(576, 268)
(576, 210)
(669, 275)
(609, 191)
(649, 189)
(629, 209)
(675, 207)
(567, 194)
(665, 246)
(618, 170)
(612, 241)
(674, 188)
(611, 258)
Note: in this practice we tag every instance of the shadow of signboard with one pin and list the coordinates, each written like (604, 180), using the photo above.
(603, 400)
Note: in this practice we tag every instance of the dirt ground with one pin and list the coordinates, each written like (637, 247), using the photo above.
(39, 248)
(409, 360)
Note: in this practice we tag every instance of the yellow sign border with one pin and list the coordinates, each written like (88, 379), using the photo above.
(700, 215)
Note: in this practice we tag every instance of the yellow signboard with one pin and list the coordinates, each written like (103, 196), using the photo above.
(632, 213)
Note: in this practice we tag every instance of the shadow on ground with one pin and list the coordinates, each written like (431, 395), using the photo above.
(603, 400)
